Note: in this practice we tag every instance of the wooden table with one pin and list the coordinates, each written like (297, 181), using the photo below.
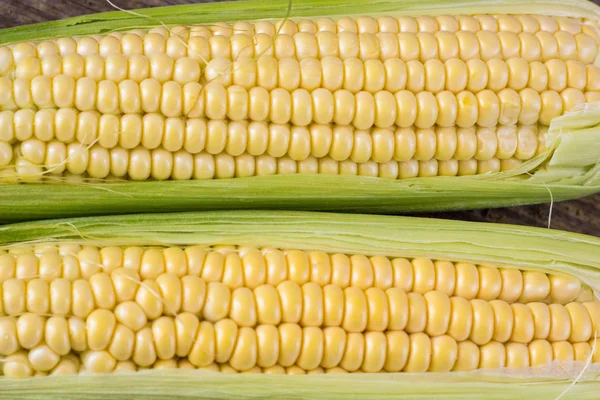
(581, 215)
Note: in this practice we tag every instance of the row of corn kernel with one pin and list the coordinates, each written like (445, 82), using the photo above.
(541, 46)
(159, 164)
(257, 138)
(252, 267)
(393, 74)
(300, 107)
(307, 349)
(331, 73)
(159, 38)
(464, 356)
(354, 308)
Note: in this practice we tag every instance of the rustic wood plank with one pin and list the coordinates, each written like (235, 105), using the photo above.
(581, 215)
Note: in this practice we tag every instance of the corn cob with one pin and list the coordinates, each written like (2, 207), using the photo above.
(404, 94)
(230, 292)
(361, 90)
(311, 303)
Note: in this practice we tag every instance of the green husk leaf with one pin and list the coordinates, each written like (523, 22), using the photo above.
(578, 134)
(290, 192)
(491, 244)
(197, 384)
(568, 169)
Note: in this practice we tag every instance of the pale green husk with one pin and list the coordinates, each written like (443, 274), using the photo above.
(197, 384)
(497, 244)
(573, 140)
(492, 244)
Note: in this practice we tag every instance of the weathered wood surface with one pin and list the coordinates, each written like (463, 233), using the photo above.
(581, 215)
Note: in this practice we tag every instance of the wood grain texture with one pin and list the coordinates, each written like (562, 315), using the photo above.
(581, 215)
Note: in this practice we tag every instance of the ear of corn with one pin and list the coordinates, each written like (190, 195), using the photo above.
(373, 107)
(489, 307)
